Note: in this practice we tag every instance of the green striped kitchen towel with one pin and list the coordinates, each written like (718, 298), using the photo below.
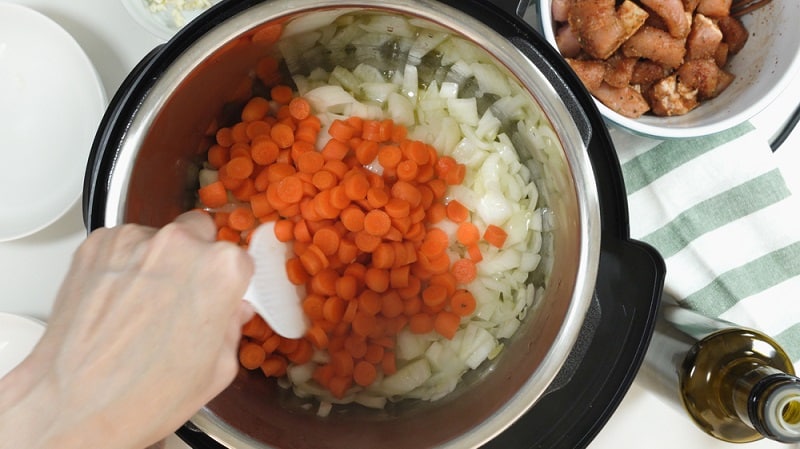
(720, 213)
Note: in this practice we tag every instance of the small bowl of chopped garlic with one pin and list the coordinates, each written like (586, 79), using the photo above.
(163, 18)
(673, 68)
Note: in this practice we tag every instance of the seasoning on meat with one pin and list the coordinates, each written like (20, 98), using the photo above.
(668, 54)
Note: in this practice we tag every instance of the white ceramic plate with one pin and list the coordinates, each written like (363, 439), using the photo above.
(18, 336)
(51, 102)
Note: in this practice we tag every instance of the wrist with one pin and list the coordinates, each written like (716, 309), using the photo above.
(27, 411)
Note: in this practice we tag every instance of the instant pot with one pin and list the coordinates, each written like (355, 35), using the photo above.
(558, 379)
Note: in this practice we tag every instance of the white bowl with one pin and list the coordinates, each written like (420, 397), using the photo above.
(51, 103)
(763, 69)
(162, 23)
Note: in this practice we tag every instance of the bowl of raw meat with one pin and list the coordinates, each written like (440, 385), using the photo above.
(675, 68)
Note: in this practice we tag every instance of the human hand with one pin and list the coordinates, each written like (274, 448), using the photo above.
(143, 333)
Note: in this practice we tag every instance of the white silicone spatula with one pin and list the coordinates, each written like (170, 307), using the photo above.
(272, 295)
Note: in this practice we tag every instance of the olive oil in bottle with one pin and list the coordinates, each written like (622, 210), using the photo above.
(737, 384)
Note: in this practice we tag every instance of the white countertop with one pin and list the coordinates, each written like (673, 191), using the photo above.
(31, 268)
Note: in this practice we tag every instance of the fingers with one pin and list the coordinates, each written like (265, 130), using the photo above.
(246, 312)
(199, 224)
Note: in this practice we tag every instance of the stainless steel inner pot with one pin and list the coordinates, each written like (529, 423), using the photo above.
(155, 134)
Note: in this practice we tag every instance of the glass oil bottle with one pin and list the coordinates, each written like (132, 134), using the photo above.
(736, 384)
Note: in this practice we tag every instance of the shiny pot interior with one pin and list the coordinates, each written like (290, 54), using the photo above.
(158, 134)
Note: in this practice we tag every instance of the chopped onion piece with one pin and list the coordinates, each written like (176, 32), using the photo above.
(407, 378)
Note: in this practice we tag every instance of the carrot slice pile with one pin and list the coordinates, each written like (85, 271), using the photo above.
(364, 245)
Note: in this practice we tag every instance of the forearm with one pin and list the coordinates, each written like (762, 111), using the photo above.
(34, 414)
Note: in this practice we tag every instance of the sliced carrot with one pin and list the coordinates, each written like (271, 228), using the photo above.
(341, 130)
(377, 222)
(239, 167)
(367, 242)
(389, 156)
(374, 353)
(302, 354)
(392, 305)
(288, 345)
(339, 198)
(377, 279)
(416, 151)
(364, 373)
(342, 363)
(324, 282)
(282, 134)
(444, 165)
(224, 137)
(348, 251)
(467, 234)
(335, 149)
(281, 94)
(306, 134)
(434, 295)
(271, 344)
(338, 385)
(274, 366)
(463, 303)
(323, 374)
(213, 195)
(312, 305)
(356, 186)
(363, 323)
(408, 192)
(383, 256)
(299, 108)
(255, 109)
(295, 271)
(457, 212)
(264, 151)
(318, 337)
(446, 324)
(456, 175)
(377, 197)
(241, 219)
(310, 162)
(258, 128)
(256, 328)
(218, 155)
(436, 242)
(327, 239)
(333, 309)
(464, 270)
(421, 323)
(353, 218)
(495, 235)
(366, 151)
(436, 213)
(227, 234)
(474, 253)
(389, 363)
(290, 189)
(407, 170)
